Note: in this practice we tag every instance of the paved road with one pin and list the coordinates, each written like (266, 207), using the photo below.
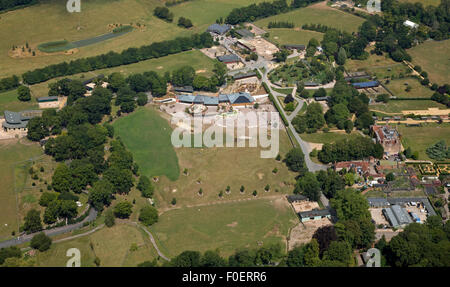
(51, 232)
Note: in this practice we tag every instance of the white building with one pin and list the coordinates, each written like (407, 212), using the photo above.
(410, 24)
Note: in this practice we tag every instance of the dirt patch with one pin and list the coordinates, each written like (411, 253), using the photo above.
(233, 224)
(200, 71)
(159, 67)
(303, 233)
(19, 52)
(260, 175)
(304, 206)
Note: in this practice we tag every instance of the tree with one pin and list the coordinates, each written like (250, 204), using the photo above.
(295, 160)
(148, 215)
(142, 99)
(62, 178)
(101, 194)
(145, 186)
(187, 259)
(438, 151)
(109, 218)
(324, 236)
(174, 201)
(123, 209)
(341, 57)
(23, 94)
(9, 252)
(390, 176)
(41, 242)
(184, 22)
(339, 251)
(68, 209)
(212, 259)
(308, 186)
(32, 221)
(47, 197)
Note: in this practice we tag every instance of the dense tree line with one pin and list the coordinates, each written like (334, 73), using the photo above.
(113, 59)
(280, 24)
(8, 4)
(350, 149)
(9, 83)
(418, 245)
(311, 121)
(256, 11)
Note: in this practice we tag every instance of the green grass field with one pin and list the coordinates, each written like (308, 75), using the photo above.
(329, 137)
(225, 227)
(9, 102)
(49, 21)
(201, 63)
(318, 13)
(110, 245)
(380, 66)
(11, 153)
(420, 138)
(398, 106)
(291, 36)
(417, 90)
(433, 57)
(147, 136)
(218, 167)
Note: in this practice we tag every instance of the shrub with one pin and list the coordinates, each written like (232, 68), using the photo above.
(41, 242)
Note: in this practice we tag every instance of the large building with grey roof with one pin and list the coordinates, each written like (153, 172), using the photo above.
(218, 29)
(235, 99)
(397, 216)
(16, 121)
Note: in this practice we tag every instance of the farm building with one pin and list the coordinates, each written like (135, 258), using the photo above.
(397, 216)
(244, 76)
(236, 99)
(47, 99)
(18, 120)
(366, 85)
(246, 45)
(361, 167)
(245, 33)
(218, 29)
(295, 47)
(311, 84)
(296, 198)
(314, 215)
(185, 89)
(379, 202)
(228, 59)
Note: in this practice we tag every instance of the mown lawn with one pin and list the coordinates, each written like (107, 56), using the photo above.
(291, 36)
(329, 137)
(226, 227)
(147, 136)
(318, 13)
(398, 106)
(9, 102)
(11, 153)
(420, 138)
(398, 86)
(213, 169)
(110, 245)
(433, 57)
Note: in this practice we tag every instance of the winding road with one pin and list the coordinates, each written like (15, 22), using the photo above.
(51, 232)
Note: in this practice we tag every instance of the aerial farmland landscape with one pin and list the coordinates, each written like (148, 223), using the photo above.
(224, 133)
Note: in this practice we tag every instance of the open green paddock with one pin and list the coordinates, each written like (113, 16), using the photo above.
(329, 137)
(290, 36)
(318, 13)
(225, 226)
(420, 138)
(147, 136)
(396, 107)
(433, 57)
(9, 102)
(13, 154)
(398, 88)
(111, 245)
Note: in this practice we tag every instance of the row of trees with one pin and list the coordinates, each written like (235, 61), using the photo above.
(255, 11)
(9, 83)
(350, 149)
(113, 59)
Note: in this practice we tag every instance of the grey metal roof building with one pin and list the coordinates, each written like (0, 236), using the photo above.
(243, 76)
(296, 197)
(18, 120)
(385, 202)
(218, 29)
(397, 216)
(185, 89)
(314, 214)
(245, 33)
(237, 98)
(232, 58)
(295, 47)
(47, 99)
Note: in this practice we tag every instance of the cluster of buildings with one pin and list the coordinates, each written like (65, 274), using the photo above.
(308, 215)
(389, 138)
(236, 99)
(18, 121)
